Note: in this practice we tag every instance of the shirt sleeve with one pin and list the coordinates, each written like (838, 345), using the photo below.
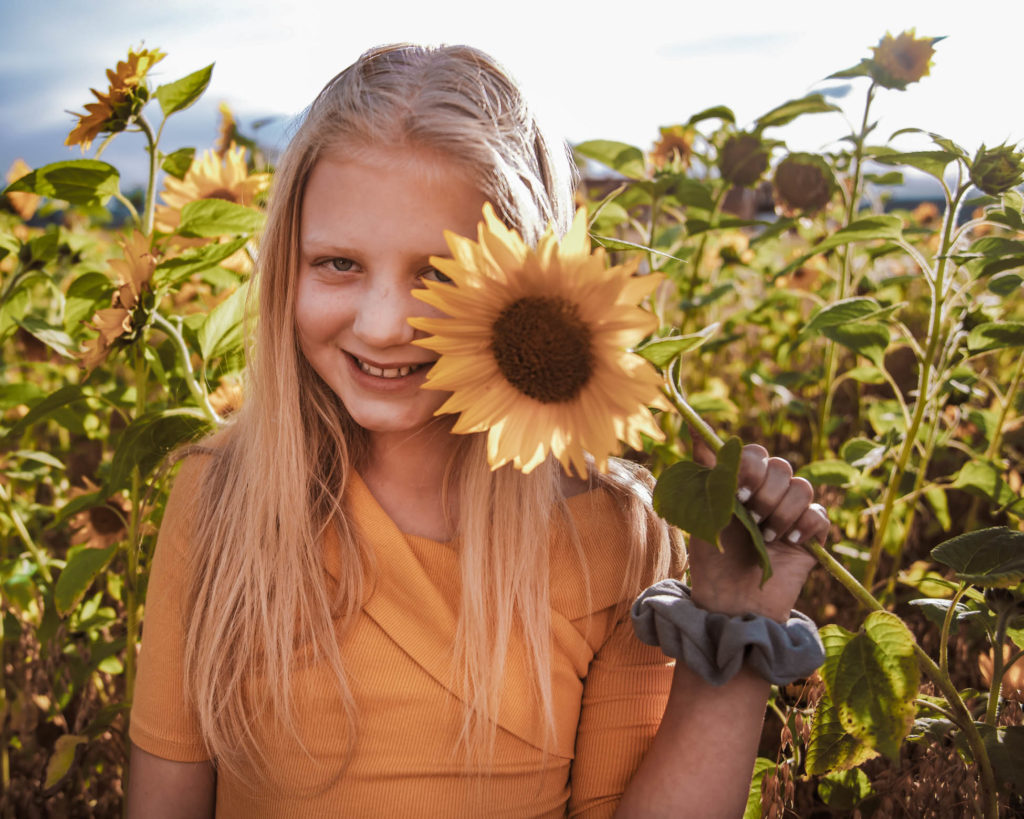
(624, 697)
(162, 721)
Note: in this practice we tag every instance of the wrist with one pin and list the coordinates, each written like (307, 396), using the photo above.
(754, 602)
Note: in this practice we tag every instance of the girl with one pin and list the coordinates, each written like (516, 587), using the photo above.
(349, 613)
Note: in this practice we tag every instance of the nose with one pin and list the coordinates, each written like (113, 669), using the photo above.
(381, 317)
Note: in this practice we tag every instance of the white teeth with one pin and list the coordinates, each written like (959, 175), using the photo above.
(397, 372)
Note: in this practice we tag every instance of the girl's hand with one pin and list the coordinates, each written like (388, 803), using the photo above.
(730, 581)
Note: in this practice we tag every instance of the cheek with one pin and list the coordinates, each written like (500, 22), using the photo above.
(317, 314)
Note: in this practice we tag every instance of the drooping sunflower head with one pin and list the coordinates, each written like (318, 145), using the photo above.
(534, 348)
(674, 147)
(124, 98)
(899, 61)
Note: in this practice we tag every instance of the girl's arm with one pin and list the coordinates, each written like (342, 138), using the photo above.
(702, 758)
(161, 789)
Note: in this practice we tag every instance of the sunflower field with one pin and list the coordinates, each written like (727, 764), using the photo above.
(876, 344)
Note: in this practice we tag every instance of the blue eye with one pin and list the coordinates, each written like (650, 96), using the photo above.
(435, 275)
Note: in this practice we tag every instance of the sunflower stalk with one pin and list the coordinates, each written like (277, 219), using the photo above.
(154, 158)
(199, 395)
(819, 443)
(928, 368)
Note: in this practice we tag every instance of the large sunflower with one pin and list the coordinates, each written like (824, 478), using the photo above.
(534, 349)
(211, 176)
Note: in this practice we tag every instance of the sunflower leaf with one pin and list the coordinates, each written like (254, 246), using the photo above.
(178, 163)
(215, 217)
(75, 579)
(180, 94)
(699, 499)
(78, 181)
(664, 351)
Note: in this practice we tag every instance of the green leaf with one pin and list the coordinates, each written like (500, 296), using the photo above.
(876, 681)
(762, 767)
(830, 747)
(195, 260)
(985, 479)
(180, 94)
(694, 193)
(78, 181)
(862, 69)
(626, 159)
(222, 331)
(149, 438)
(1003, 284)
(868, 338)
(932, 163)
(844, 790)
(178, 163)
(611, 243)
(865, 375)
(715, 112)
(216, 217)
(937, 500)
(996, 335)
(19, 392)
(828, 473)
(1005, 748)
(889, 178)
(663, 351)
(86, 294)
(699, 499)
(53, 337)
(74, 581)
(882, 226)
(67, 394)
(861, 453)
(992, 557)
(842, 312)
(62, 759)
(788, 111)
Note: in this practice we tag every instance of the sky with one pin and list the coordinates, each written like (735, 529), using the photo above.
(601, 70)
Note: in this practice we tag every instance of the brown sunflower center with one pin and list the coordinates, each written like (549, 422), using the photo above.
(105, 521)
(543, 349)
(222, 193)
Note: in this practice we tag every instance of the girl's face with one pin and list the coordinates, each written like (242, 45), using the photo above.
(370, 223)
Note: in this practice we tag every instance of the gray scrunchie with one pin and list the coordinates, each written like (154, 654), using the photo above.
(715, 646)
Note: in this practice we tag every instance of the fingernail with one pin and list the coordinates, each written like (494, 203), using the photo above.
(769, 535)
(794, 536)
(757, 518)
(743, 494)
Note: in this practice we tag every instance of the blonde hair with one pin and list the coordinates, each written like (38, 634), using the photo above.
(274, 487)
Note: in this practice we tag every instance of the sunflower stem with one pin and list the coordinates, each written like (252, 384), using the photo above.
(147, 219)
(696, 423)
(198, 393)
(23, 533)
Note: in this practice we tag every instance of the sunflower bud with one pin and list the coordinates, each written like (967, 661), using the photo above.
(995, 170)
(743, 159)
(803, 183)
(899, 61)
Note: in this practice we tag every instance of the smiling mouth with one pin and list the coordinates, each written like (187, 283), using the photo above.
(392, 372)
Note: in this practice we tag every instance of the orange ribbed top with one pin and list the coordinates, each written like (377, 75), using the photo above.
(609, 689)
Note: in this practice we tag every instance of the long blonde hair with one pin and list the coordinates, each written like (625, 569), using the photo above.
(274, 487)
